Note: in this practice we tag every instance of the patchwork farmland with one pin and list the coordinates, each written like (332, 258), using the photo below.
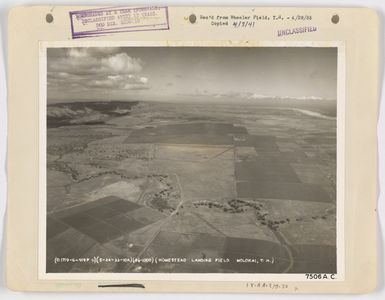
(205, 184)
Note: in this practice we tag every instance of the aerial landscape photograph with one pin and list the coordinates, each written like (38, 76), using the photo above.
(191, 160)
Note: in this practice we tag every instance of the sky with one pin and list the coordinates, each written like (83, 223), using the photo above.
(185, 73)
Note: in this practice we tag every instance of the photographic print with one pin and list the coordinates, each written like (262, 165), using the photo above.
(191, 159)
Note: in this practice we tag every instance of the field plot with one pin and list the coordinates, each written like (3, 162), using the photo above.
(204, 188)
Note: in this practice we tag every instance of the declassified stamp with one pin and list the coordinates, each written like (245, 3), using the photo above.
(103, 21)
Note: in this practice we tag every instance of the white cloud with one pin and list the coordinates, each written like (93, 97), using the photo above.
(92, 51)
(77, 52)
(120, 82)
(143, 80)
(103, 68)
(121, 63)
(114, 77)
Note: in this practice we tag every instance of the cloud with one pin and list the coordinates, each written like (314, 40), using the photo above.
(93, 51)
(120, 82)
(81, 62)
(121, 63)
(143, 80)
(95, 68)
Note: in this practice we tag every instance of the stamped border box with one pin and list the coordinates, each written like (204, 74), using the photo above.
(103, 21)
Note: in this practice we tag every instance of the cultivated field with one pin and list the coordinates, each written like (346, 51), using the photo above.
(205, 183)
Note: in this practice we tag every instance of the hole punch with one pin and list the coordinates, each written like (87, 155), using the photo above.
(49, 18)
(192, 18)
(335, 19)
